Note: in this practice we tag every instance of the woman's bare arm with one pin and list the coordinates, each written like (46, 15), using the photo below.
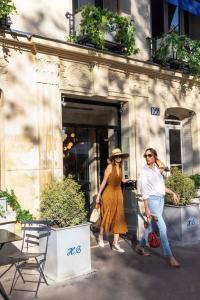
(108, 170)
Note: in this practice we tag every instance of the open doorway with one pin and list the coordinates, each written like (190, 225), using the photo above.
(90, 131)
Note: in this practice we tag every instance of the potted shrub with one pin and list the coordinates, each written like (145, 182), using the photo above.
(183, 220)
(105, 30)
(68, 253)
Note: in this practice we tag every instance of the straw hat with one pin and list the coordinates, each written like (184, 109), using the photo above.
(118, 152)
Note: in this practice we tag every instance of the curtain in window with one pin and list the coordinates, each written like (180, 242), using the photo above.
(191, 6)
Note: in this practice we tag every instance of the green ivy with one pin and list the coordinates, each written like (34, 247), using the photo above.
(11, 199)
(21, 214)
(186, 51)
(96, 22)
(6, 7)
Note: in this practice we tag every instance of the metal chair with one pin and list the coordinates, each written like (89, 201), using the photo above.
(28, 258)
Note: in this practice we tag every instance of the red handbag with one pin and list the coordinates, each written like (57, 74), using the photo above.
(153, 240)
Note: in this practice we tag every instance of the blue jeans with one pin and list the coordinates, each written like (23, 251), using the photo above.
(156, 204)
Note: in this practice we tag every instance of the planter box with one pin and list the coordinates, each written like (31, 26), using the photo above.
(108, 45)
(10, 217)
(183, 224)
(68, 253)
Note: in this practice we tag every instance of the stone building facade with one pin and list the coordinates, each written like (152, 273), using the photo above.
(52, 91)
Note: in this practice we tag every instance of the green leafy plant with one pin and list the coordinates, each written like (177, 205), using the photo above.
(11, 199)
(183, 185)
(96, 22)
(23, 215)
(6, 7)
(180, 49)
(64, 203)
(2, 211)
(196, 179)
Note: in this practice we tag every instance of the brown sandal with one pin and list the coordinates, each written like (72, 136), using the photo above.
(139, 250)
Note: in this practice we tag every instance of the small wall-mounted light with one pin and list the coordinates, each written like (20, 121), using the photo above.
(64, 104)
(122, 108)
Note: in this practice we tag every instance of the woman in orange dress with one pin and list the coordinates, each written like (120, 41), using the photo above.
(111, 198)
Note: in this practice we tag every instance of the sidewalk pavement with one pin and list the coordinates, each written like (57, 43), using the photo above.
(127, 276)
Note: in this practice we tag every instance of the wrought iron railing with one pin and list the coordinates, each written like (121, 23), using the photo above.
(110, 44)
(154, 44)
(171, 62)
(5, 23)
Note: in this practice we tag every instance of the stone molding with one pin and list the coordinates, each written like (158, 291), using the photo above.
(86, 55)
(76, 76)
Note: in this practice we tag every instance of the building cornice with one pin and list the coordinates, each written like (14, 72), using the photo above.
(74, 52)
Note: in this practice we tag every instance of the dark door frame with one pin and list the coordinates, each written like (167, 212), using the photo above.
(117, 127)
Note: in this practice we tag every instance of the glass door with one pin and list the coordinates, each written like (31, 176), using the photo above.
(85, 154)
(76, 146)
(107, 139)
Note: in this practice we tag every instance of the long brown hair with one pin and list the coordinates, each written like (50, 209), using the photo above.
(112, 161)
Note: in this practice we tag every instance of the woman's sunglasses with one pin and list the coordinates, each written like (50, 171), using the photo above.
(147, 155)
(117, 156)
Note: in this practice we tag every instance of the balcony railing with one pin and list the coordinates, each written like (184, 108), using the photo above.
(102, 29)
(110, 45)
(5, 23)
(172, 61)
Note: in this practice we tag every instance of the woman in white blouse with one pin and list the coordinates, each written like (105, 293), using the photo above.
(153, 190)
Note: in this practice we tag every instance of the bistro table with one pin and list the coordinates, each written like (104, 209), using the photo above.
(5, 238)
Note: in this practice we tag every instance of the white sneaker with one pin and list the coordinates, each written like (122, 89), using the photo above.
(117, 248)
(101, 243)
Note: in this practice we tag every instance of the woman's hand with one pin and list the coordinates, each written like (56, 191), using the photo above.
(125, 180)
(147, 213)
(98, 199)
(175, 198)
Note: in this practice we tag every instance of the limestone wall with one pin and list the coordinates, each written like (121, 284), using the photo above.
(34, 74)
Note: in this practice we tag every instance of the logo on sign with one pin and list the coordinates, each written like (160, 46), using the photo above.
(74, 250)
(155, 111)
(192, 221)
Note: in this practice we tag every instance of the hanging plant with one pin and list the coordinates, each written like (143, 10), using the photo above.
(179, 49)
(6, 7)
(97, 24)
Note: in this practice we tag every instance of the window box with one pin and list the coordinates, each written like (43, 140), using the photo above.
(102, 29)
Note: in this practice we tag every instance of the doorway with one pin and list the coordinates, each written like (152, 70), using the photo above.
(90, 131)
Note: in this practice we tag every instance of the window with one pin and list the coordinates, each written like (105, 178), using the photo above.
(110, 4)
(173, 18)
(166, 16)
(157, 18)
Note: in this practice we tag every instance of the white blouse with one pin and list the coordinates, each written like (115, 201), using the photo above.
(151, 182)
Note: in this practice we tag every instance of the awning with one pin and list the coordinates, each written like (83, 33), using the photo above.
(191, 6)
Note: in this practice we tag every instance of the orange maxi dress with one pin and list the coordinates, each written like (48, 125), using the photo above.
(112, 209)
